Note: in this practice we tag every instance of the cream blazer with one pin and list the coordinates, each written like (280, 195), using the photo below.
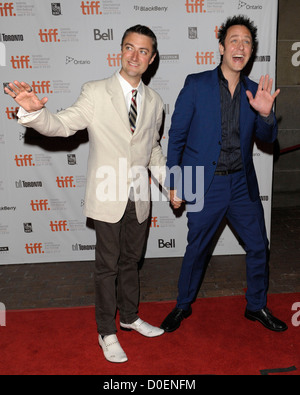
(117, 159)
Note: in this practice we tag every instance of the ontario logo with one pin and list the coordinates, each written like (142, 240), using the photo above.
(247, 6)
(69, 60)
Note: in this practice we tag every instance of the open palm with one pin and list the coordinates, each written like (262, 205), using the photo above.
(263, 100)
(24, 96)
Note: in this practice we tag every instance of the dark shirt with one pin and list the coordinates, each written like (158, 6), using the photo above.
(230, 156)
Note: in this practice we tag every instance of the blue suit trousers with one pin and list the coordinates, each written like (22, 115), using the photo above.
(228, 197)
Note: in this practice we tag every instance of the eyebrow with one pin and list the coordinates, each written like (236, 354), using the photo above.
(237, 35)
(140, 48)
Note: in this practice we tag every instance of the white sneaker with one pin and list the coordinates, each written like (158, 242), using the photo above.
(143, 328)
(112, 349)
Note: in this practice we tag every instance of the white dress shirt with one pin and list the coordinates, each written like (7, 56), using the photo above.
(127, 90)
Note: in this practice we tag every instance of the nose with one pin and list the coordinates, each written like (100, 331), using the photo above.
(241, 45)
(134, 55)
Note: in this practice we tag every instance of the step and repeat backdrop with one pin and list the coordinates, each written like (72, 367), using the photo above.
(58, 46)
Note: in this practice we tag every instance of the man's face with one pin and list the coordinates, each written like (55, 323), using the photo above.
(136, 57)
(237, 50)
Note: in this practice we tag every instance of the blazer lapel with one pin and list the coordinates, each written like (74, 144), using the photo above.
(145, 108)
(114, 89)
(216, 102)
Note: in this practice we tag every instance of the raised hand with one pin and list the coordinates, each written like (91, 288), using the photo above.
(263, 101)
(24, 96)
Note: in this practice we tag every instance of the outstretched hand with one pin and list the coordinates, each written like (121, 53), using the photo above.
(24, 96)
(263, 101)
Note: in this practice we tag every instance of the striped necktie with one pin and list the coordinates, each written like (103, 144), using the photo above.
(133, 111)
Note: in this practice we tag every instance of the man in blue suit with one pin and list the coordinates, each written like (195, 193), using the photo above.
(216, 117)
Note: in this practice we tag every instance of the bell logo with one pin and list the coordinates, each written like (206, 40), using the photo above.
(103, 36)
(166, 244)
(195, 6)
(90, 8)
(6, 9)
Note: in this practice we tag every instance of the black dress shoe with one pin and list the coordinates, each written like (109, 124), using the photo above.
(265, 317)
(173, 320)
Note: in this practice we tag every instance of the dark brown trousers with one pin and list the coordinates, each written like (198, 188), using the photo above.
(119, 249)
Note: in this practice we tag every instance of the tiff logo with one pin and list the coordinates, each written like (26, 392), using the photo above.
(41, 87)
(154, 223)
(114, 60)
(36, 248)
(65, 182)
(2, 314)
(49, 36)
(90, 8)
(195, 6)
(59, 226)
(24, 160)
(2, 55)
(11, 112)
(40, 205)
(6, 9)
(20, 62)
(205, 58)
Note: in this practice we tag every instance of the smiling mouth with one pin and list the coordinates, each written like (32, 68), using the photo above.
(133, 64)
(238, 57)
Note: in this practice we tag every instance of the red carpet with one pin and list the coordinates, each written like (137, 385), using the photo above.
(215, 340)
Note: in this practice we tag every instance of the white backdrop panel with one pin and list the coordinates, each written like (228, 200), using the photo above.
(57, 47)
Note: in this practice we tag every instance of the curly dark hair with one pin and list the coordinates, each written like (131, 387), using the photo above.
(238, 20)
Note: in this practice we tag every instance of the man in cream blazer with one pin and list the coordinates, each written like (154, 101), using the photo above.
(117, 190)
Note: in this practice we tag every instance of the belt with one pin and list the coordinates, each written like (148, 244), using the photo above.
(226, 172)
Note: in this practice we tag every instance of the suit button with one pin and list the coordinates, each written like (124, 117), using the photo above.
(214, 163)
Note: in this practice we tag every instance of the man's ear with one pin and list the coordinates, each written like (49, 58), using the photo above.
(152, 59)
(221, 49)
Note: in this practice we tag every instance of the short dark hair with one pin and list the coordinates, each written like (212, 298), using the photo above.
(144, 30)
(238, 20)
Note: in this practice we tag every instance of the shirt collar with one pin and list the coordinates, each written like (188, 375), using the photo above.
(127, 88)
(222, 78)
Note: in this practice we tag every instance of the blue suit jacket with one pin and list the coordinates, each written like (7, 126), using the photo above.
(195, 135)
